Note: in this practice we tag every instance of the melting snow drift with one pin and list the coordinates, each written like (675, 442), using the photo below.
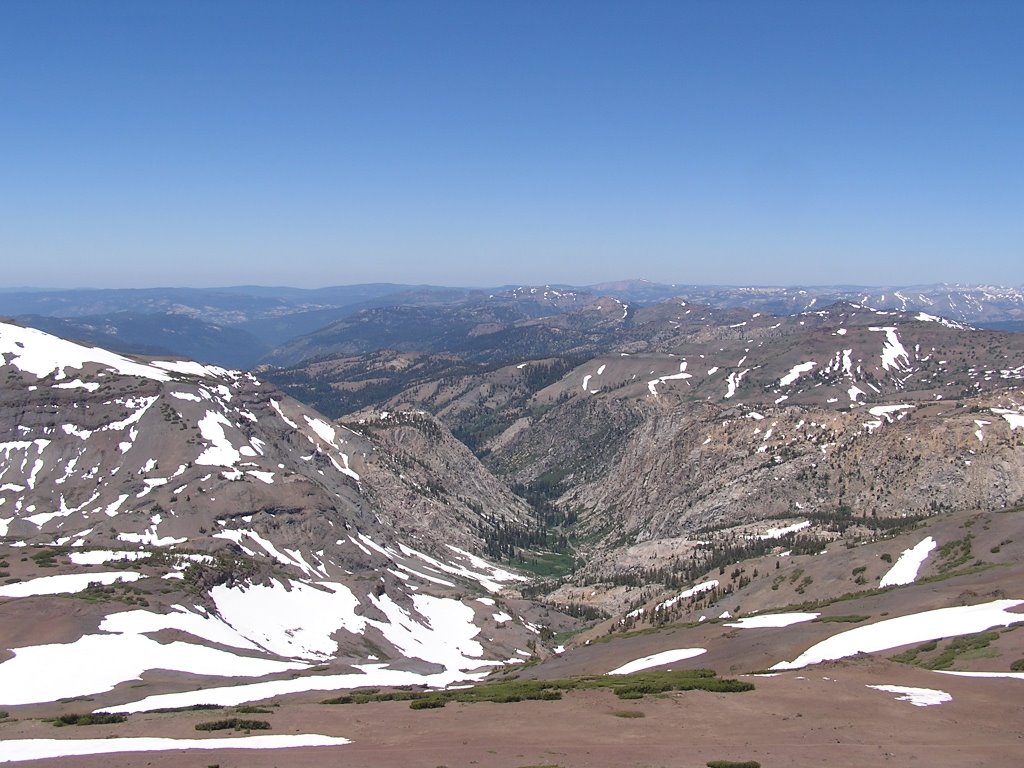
(17, 750)
(657, 660)
(915, 628)
(919, 697)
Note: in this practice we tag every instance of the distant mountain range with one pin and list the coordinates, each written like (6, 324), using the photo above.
(247, 325)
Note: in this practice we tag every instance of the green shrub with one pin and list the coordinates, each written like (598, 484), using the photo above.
(250, 710)
(191, 708)
(733, 764)
(429, 703)
(513, 689)
(339, 700)
(95, 718)
(628, 713)
(1017, 666)
(236, 723)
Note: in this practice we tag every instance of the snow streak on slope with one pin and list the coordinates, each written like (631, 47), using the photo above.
(773, 620)
(657, 660)
(915, 628)
(18, 750)
(904, 571)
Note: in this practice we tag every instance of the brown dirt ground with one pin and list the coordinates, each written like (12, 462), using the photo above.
(821, 716)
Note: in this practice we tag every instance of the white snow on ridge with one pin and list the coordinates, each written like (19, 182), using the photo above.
(925, 317)
(323, 430)
(887, 411)
(43, 673)
(101, 556)
(296, 623)
(732, 382)
(329, 435)
(490, 577)
(238, 534)
(18, 750)
(221, 453)
(1013, 418)
(795, 372)
(657, 660)
(151, 537)
(652, 385)
(778, 533)
(704, 586)
(65, 583)
(191, 368)
(277, 407)
(41, 354)
(369, 674)
(919, 697)
(904, 571)
(91, 386)
(772, 620)
(905, 630)
(894, 356)
(212, 628)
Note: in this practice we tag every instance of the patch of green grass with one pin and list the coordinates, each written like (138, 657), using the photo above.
(974, 646)
(94, 718)
(233, 723)
(959, 647)
(429, 703)
(1017, 666)
(976, 568)
(850, 618)
(547, 565)
(45, 558)
(733, 764)
(628, 713)
(249, 710)
(953, 554)
(910, 655)
(508, 691)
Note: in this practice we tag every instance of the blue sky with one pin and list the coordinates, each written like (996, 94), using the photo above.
(483, 143)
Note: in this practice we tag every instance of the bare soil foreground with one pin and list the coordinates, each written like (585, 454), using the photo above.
(823, 715)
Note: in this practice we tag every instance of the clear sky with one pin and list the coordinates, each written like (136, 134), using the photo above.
(479, 143)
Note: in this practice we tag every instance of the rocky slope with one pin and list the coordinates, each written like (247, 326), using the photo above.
(693, 418)
(194, 503)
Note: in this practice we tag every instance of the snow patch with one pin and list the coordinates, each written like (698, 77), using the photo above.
(904, 571)
(657, 660)
(919, 697)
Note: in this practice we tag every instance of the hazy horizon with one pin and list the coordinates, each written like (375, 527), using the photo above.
(502, 286)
